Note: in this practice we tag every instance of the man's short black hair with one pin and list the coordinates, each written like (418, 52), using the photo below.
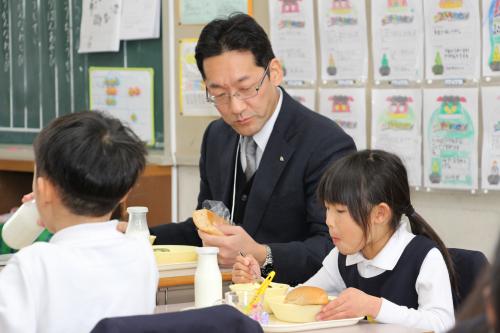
(92, 159)
(237, 32)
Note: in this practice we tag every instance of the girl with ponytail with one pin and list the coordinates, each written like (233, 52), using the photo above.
(379, 268)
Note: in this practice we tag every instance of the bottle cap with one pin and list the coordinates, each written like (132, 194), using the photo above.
(137, 209)
(207, 250)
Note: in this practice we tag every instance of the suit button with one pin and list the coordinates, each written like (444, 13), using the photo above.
(244, 197)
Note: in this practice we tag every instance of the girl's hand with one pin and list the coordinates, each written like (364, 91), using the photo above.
(245, 269)
(351, 303)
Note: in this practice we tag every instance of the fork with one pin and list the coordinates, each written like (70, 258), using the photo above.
(256, 275)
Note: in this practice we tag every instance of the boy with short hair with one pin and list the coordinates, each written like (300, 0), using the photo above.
(85, 164)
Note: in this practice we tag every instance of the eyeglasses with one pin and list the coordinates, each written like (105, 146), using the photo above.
(241, 94)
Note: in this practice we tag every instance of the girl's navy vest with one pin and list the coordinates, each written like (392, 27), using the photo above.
(398, 285)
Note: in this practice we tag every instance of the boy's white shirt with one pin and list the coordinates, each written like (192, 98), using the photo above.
(85, 273)
(435, 311)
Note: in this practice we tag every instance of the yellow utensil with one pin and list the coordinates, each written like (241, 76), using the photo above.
(262, 288)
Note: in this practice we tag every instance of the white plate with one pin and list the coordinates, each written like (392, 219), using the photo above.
(281, 326)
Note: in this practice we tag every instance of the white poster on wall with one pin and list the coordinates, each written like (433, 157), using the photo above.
(140, 19)
(192, 92)
(452, 39)
(490, 163)
(347, 107)
(306, 97)
(127, 94)
(343, 40)
(292, 37)
(491, 37)
(100, 26)
(397, 127)
(397, 40)
(450, 138)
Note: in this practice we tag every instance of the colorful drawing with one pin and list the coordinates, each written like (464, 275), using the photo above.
(341, 103)
(384, 68)
(435, 176)
(134, 91)
(341, 7)
(396, 5)
(494, 29)
(450, 4)
(290, 6)
(331, 69)
(398, 115)
(451, 136)
(283, 68)
(438, 68)
(111, 87)
(494, 177)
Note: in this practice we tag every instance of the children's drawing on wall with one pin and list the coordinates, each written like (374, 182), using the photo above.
(290, 6)
(452, 39)
(490, 177)
(193, 94)
(127, 94)
(347, 107)
(396, 127)
(204, 11)
(398, 43)
(343, 39)
(100, 26)
(491, 37)
(450, 149)
(292, 37)
(306, 97)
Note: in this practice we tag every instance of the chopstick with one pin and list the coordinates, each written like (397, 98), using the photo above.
(257, 276)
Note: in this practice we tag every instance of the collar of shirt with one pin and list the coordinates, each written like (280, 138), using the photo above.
(86, 231)
(262, 137)
(388, 257)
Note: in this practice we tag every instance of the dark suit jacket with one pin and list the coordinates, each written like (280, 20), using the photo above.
(282, 210)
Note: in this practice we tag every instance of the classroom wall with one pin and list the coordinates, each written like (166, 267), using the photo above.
(462, 219)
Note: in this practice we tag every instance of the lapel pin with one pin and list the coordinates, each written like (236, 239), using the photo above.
(282, 159)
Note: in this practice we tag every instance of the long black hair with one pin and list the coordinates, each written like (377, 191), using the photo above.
(367, 178)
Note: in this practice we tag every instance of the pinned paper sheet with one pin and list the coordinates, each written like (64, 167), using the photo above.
(100, 26)
(126, 94)
(140, 19)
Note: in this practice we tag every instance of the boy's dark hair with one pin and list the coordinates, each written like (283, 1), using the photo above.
(237, 32)
(92, 159)
(367, 178)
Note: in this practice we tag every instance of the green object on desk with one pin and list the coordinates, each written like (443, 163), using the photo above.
(4, 248)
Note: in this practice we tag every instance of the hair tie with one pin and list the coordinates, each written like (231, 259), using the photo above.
(409, 211)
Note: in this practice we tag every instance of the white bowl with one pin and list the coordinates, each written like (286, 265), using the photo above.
(292, 312)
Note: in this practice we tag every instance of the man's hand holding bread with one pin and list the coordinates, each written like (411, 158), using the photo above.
(215, 231)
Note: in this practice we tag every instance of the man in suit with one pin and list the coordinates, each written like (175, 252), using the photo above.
(278, 219)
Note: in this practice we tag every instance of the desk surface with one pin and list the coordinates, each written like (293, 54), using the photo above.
(361, 327)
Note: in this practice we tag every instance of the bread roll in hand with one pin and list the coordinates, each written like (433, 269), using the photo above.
(207, 221)
(306, 295)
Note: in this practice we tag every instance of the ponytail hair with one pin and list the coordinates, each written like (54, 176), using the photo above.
(367, 178)
(420, 227)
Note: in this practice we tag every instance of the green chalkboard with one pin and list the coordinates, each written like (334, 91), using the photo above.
(43, 76)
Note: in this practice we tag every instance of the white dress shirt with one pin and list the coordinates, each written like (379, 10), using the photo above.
(435, 304)
(262, 137)
(85, 273)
